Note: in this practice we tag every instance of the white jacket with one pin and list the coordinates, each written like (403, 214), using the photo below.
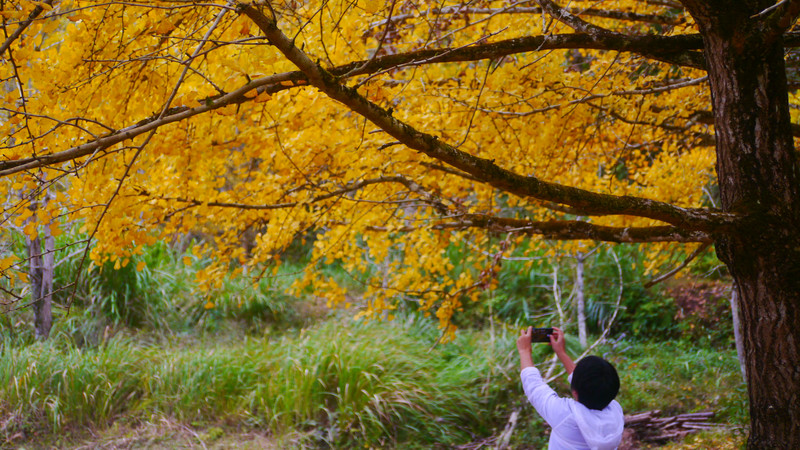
(574, 425)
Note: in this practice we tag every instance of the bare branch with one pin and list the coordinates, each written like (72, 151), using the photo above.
(353, 187)
(572, 21)
(188, 62)
(679, 267)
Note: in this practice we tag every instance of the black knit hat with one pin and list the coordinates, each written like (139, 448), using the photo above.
(596, 382)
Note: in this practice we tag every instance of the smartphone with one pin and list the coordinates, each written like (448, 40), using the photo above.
(541, 334)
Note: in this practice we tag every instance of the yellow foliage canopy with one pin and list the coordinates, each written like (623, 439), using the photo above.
(166, 118)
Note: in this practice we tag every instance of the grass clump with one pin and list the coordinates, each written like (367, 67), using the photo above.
(61, 385)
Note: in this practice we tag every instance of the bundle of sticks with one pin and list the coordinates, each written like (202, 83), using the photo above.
(650, 427)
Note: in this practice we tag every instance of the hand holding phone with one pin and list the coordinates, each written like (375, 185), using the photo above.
(541, 334)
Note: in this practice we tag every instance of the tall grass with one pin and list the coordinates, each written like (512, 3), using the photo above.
(344, 381)
(54, 385)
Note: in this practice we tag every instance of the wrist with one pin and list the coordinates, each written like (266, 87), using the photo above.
(525, 360)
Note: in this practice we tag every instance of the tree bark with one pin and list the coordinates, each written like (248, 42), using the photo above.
(758, 171)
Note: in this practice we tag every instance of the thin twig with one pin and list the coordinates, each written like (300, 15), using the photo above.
(680, 266)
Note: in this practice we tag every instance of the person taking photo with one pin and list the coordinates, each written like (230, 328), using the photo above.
(591, 419)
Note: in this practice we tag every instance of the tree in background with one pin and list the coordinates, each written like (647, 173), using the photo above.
(389, 130)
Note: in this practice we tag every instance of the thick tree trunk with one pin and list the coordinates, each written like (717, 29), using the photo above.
(758, 171)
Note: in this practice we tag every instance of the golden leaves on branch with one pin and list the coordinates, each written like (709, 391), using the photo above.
(561, 116)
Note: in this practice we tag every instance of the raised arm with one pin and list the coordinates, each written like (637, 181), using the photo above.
(524, 349)
(559, 343)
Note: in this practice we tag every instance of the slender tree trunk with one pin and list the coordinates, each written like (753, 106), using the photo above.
(40, 295)
(758, 171)
(41, 267)
(580, 258)
(48, 273)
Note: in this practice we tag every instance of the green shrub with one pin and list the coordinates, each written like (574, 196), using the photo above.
(144, 297)
(255, 304)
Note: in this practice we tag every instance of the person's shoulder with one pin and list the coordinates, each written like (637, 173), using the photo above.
(529, 372)
(616, 410)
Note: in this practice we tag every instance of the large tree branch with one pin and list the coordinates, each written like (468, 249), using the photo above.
(694, 219)
(172, 115)
(552, 229)
(574, 229)
(563, 230)
(707, 117)
(680, 49)
(599, 34)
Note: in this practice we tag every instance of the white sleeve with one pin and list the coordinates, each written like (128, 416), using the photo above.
(544, 399)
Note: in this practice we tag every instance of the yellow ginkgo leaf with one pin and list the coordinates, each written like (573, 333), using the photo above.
(372, 6)
(30, 230)
(55, 230)
(7, 262)
(262, 97)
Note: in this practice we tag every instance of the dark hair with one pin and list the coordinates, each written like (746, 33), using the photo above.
(596, 382)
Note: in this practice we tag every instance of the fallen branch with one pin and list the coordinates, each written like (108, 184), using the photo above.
(649, 427)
